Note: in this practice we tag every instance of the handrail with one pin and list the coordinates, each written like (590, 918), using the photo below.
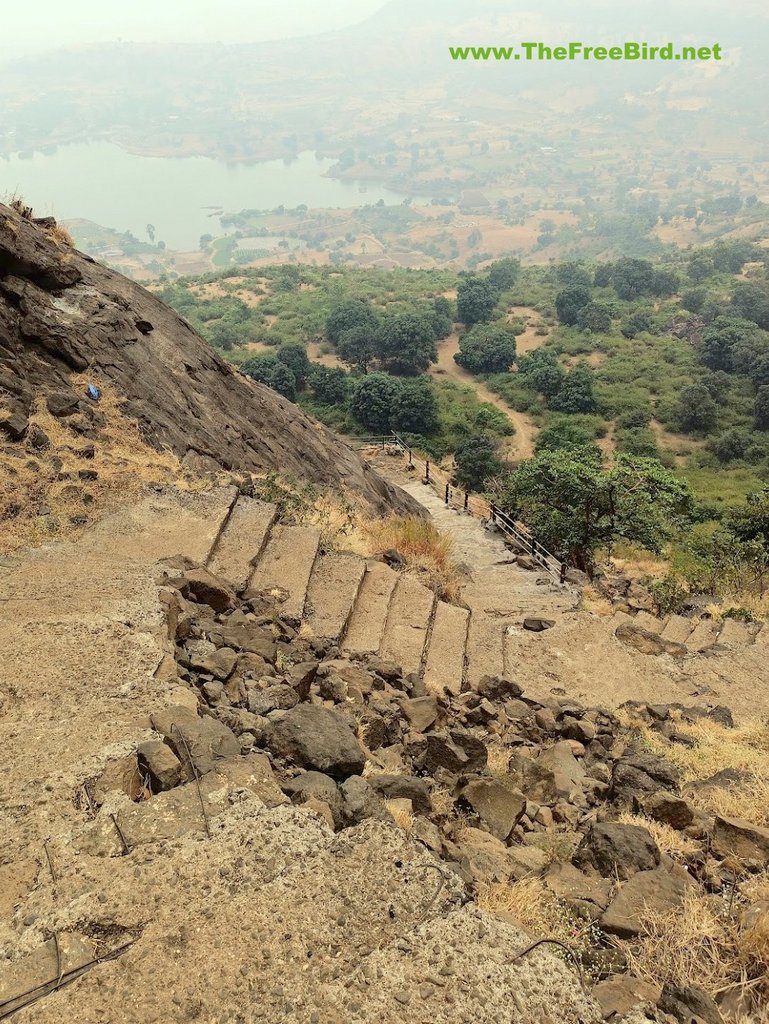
(474, 505)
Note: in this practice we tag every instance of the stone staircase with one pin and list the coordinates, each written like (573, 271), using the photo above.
(364, 606)
(697, 635)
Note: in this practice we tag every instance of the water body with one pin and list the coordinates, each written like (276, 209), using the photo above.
(180, 196)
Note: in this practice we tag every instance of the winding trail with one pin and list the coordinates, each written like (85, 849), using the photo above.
(521, 444)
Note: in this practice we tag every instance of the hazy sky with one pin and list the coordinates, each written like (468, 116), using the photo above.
(44, 24)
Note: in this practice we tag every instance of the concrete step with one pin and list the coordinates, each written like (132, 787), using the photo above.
(735, 634)
(163, 525)
(334, 588)
(445, 663)
(703, 636)
(287, 564)
(369, 616)
(242, 541)
(408, 624)
(649, 622)
(678, 629)
(485, 647)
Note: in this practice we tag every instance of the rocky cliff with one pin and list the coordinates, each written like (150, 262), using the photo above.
(63, 313)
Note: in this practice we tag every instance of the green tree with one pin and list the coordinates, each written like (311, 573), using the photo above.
(373, 400)
(569, 302)
(347, 315)
(329, 384)
(576, 392)
(633, 278)
(504, 273)
(415, 410)
(665, 282)
(281, 379)
(762, 407)
(563, 432)
(750, 300)
(697, 412)
(750, 522)
(476, 462)
(541, 372)
(636, 323)
(595, 317)
(356, 347)
(486, 348)
(294, 355)
(258, 367)
(574, 506)
(405, 343)
(476, 299)
(571, 274)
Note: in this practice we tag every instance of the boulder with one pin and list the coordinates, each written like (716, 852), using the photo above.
(455, 750)
(403, 787)
(648, 643)
(689, 1004)
(537, 625)
(161, 764)
(483, 858)
(621, 993)
(588, 896)
(275, 697)
(219, 664)
(499, 807)
(318, 787)
(497, 688)
(202, 741)
(316, 738)
(669, 809)
(658, 891)
(526, 861)
(421, 712)
(360, 801)
(734, 837)
(62, 403)
(642, 773)
(617, 851)
(202, 586)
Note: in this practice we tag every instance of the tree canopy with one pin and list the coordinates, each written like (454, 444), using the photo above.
(574, 506)
(487, 348)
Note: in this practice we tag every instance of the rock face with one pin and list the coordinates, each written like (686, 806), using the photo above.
(61, 312)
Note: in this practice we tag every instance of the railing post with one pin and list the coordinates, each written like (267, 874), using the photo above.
(427, 471)
(447, 494)
(493, 511)
(467, 501)
(411, 459)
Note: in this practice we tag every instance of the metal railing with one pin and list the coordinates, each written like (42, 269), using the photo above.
(471, 504)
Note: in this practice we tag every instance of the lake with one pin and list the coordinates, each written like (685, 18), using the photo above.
(103, 183)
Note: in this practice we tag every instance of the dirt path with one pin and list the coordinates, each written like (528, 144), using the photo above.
(521, 444)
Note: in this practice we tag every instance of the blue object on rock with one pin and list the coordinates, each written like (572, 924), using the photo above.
(93, 392)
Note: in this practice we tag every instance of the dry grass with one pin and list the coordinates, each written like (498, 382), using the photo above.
(498, 762)
(757, 606)
(401, 813)
(745, 749)
(36, 506)
(539, 912)
(674, 843)
(634, 561)
(595, 602)
(698, 943)
(59, 234)
(428, 553)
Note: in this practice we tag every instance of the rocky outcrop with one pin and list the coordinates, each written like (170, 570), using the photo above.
(62, 313)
